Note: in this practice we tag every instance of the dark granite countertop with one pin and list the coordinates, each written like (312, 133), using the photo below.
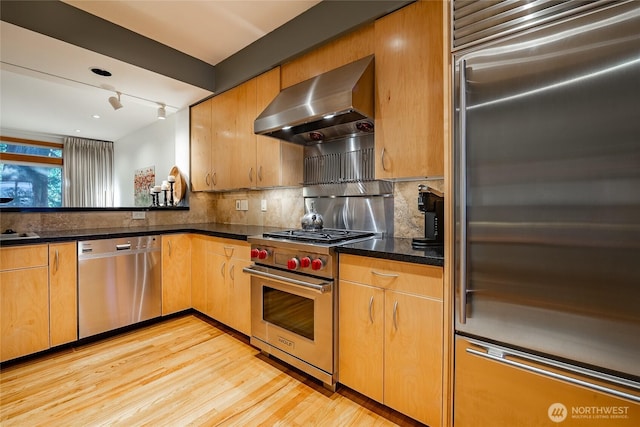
(229, 231)
(387, 248)
(395, 249)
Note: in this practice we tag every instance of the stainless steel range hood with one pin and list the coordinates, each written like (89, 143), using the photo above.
(332, 105)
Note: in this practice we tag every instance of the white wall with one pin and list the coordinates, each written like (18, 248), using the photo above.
(163, 144)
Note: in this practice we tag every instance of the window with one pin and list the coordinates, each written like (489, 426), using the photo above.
(30, 173)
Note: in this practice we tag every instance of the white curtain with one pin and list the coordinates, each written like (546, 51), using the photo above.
(88, 173)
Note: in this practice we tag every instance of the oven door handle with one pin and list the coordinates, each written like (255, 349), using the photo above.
(320, 287)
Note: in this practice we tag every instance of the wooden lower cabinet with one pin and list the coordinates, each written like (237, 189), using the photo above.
(391, 334)
(176, 273)
(220, 289)
(24, 301)
(63, 300)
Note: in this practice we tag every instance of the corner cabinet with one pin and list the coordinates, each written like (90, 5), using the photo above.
(410, 89)
(220, 289)
(391, 334)
(24, 300)
(225, 152)
(176, 273)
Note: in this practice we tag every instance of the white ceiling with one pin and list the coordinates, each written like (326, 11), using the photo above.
(46, 85)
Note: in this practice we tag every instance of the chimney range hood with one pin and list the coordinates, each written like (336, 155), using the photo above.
(332, 105)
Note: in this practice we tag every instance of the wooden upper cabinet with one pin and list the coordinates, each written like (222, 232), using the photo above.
(223, 129)
(409, 109)
(63, 295)
(242, 159)
(200, 128)
(278, 163)
(344, 50)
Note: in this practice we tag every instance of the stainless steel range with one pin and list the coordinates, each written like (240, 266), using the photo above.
(294, 295)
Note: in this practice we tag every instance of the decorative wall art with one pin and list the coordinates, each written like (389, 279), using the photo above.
(143, 180)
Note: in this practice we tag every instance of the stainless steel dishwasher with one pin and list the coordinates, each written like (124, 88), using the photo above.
(119, 283)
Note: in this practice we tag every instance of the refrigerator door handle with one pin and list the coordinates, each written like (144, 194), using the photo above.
(499, 356)
(462, 191)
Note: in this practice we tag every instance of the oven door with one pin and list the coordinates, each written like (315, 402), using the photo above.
(294, 314)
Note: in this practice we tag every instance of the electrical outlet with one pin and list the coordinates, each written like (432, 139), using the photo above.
(238, 206)
(244, 205)
(138, 215)
(263, 205)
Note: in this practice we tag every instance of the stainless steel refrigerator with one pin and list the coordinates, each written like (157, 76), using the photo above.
(547, 201)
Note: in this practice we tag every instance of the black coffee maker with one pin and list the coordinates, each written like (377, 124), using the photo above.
(431, 203)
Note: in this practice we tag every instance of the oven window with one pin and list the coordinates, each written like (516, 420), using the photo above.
(291, 312)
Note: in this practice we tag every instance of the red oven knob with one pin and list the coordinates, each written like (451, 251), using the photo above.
(263, 254)
(293, 264)
(305, 262)
(317, 264)
(254, 253)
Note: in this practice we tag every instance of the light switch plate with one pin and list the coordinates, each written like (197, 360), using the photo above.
(263, 205)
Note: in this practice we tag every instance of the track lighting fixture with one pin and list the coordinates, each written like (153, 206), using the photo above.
(162, 113)
(115, 102)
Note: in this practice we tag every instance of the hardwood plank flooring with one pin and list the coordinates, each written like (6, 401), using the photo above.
(182, 371)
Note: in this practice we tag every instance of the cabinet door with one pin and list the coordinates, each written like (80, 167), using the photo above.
(409, 137)
(361, 340)
(199, 274)
(223, 128)
(201, 146)
(239, 301)
(413, 356)
(63, 301)
(216, 287)
(24, 312)
(267, 148)
(176, 273)
(243, 148)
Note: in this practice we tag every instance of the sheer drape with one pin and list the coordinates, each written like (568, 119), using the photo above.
(88, 173)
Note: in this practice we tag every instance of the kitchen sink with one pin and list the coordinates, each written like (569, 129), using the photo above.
(16, 236)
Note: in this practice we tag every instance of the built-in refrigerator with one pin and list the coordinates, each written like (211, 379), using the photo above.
(546, 161)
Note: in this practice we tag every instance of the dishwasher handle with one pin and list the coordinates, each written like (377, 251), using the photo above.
(123, 247)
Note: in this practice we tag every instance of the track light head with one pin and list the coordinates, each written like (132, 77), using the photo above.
(115, 102)
(162, 112)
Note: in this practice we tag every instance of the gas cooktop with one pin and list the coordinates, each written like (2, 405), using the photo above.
(324, 235)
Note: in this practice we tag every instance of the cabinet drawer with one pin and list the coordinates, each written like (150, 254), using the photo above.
(401, 276)
(23, 257)
(229, 248)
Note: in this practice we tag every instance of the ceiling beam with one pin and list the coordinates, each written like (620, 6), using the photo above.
(323, 22)
(72, 25)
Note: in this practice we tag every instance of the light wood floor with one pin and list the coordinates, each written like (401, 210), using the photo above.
(183, 371)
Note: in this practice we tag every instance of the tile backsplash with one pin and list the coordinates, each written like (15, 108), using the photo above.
(284, 208)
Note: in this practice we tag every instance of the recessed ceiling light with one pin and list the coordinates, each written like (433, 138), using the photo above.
(96, 116)
(78, 130)
(100, 72)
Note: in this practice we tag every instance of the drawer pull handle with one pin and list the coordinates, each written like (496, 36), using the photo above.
(393, 276)
(551, 374)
